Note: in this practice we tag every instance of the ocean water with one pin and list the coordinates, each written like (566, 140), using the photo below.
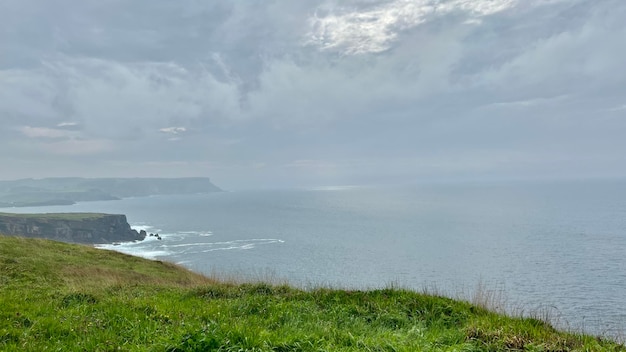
(545, 247)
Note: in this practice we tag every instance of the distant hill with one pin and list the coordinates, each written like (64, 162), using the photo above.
(69, 190)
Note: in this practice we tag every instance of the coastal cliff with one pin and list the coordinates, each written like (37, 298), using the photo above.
(86, 228)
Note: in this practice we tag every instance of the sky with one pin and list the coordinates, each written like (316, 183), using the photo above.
(283, 93)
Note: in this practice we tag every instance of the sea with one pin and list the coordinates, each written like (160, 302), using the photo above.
(551, 249)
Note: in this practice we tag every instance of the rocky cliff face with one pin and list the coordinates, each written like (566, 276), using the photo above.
(74, 228)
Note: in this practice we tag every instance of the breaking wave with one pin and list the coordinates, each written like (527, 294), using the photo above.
(181, 243)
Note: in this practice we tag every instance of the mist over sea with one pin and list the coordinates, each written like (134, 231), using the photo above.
(556, 247)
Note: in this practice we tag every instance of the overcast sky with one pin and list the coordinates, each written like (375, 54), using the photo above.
(309, 93)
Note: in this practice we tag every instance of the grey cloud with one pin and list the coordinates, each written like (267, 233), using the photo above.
(108, 97)
(324, 90)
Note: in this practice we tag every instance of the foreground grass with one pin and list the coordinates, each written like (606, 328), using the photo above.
(61, 297)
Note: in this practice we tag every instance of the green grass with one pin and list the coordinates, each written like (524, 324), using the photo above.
(62, 297)
(56, 216)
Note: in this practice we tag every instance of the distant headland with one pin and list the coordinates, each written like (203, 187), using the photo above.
(85, 228)
(69, 190)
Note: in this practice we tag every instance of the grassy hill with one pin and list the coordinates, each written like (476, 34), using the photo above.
(61, 297)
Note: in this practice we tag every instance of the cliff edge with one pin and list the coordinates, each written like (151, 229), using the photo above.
(85, 228)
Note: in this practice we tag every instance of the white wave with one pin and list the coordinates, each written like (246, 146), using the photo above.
(147, 228)
(137, 249)
(241, 244)
(150, 239)
(197, 233)
(170, 244)
(334, 188)
(265, 240)
(204, 247)
(187, 245)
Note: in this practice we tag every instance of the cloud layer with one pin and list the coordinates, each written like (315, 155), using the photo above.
(323, 92)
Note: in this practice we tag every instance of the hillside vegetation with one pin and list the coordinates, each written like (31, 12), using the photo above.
(62, 297)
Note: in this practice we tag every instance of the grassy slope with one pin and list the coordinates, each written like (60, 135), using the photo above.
(61, 297)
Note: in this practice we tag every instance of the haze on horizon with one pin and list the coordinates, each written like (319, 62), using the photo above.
(306, 93)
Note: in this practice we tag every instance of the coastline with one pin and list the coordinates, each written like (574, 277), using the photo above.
(530, 248)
